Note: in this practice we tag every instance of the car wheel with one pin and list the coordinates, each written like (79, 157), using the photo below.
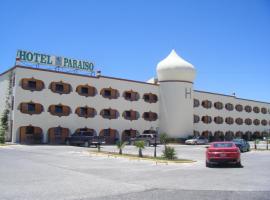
(86, 144)
(67, 142)
(207, 164)
(238, 164)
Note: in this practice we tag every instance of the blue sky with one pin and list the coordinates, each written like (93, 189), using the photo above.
(228, 41)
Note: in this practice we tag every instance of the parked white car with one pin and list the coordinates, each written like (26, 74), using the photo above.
(197, 140)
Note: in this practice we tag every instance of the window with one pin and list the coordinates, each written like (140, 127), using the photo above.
(131, 95)
(58, 109)
(264, 110)
(109, 93)
(196, 103)
(256, 122)
(130, 115)
(59, 87)
(109, 113)
(207, 104)
(239, 108)
(256, 109)
(58, 130)
(206, 119)
(239, 121)
(86, 90)
(229, 106)
(30, 130)
(83, 111)
(150, 98)
(32, 84)
(264, 122)
(196, 118)
(218, 105)
(248, 121)
(31, 107)
(229, 120)
(248, 109)
(150, 116)
(218, 120)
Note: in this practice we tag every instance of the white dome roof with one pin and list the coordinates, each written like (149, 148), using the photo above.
(175, 68)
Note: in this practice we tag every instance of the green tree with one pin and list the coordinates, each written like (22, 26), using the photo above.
(169, 153)
(140, 145)
(120, 145)
(163, 139)
(4, 125)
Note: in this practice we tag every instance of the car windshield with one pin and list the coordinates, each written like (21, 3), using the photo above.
(238, 140)
(223, 145)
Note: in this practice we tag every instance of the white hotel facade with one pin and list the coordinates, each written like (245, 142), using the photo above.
(47, 106)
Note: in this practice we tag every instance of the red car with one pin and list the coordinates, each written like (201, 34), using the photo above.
(222, 152)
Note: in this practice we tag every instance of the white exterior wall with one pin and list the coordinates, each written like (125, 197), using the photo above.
(176, 109)
(46, 97)
(4, 81)
(213, 112)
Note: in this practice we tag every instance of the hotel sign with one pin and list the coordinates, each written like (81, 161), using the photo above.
(59, 61)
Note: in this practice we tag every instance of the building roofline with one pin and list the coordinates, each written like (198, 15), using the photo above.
(74, 74)
(226, 95)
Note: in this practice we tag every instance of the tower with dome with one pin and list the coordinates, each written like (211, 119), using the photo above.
(175, 77)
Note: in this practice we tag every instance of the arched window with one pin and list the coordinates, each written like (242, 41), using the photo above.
(239, 121)
(206, 119)
(30, 134)
(131, 115)
(31, 108)
(218, 120)
(256, 109)
(239, 108)
(86, 90)
(86, 112)
(59, 110)
(109, 113)
(229, 120)
(150, 116)
(32, 84)
(256, 122)
(196, 119)
(229, 106)
(218, 105)
(248, 109)
(131, 95)
(196, 103)
(207, 104)
(248, 121)
(57, 135)
(150, 98)
(109, 93)
(264, 110)
(60, 87)
(264, 122)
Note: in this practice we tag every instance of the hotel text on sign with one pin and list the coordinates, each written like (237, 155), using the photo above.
(59, 61)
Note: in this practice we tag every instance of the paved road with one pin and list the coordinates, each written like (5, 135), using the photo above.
(62, 172)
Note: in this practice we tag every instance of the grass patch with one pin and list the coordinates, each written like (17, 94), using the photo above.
(145, 157)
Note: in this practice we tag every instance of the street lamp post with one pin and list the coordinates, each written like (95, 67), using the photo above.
(155, 144)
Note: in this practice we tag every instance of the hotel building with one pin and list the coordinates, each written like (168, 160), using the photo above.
(47, 105)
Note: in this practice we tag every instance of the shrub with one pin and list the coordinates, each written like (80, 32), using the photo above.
(169, 153)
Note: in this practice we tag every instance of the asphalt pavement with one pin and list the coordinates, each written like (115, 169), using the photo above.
(68, 172)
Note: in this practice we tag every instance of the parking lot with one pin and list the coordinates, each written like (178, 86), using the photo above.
(68, 172)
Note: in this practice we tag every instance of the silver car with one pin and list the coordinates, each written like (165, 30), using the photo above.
(197, 140)
(149, 139)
